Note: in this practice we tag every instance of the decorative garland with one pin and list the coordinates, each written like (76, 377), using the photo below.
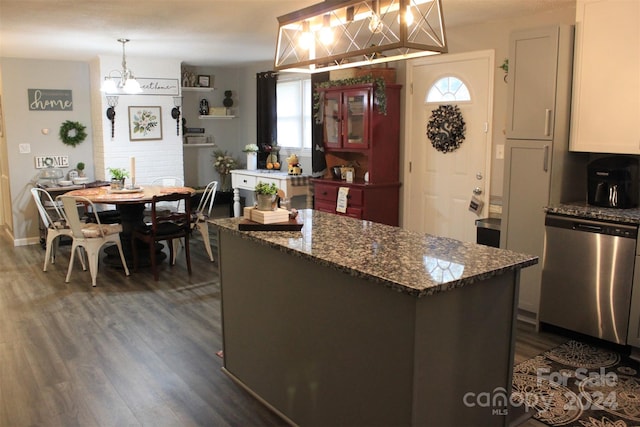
(72, 133)
(446, 128)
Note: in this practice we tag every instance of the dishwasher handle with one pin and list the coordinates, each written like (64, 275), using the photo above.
(588, 227)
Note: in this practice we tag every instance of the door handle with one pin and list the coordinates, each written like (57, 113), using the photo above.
(545, 161)
(477, 191)
(547, 122)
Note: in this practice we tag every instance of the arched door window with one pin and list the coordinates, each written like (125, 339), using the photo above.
(448, 89)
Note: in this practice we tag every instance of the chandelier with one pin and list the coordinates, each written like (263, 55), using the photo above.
(126, 82)
(349, 33)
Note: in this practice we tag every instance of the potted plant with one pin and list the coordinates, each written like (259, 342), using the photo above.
(266, 196)
(117, 177)
(252, 156)
(80, 168)
(224, 163)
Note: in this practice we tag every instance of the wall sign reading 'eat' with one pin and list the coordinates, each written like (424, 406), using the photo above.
(50, 100)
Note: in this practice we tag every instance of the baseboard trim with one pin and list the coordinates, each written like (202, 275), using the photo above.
(527, 317)
(257, 397)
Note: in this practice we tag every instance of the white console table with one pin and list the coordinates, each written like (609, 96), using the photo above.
(292, 185)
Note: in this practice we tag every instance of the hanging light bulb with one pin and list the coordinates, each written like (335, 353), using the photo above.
(326, 33)
(306, 38)
(109, 85)
(375, 24)
(408, 16)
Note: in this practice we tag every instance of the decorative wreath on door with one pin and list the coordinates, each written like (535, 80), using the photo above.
(72, 133)
(446, 128)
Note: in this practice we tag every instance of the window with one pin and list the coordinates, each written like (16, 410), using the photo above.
(294, 113)
(448, 89)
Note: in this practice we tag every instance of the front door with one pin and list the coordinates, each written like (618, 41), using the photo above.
(440, 185)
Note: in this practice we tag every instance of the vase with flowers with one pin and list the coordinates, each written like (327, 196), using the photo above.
(252, 156)
(224, 163)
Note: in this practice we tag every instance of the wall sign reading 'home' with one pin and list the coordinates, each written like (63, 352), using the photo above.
(51, 162)
(50, 100)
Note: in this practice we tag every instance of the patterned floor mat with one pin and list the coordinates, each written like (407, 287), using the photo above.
(576, 384)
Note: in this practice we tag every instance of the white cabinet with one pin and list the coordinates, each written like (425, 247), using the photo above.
(606, 88)
(527, 163)
(292, 185)
(538, 168)
(533, 64)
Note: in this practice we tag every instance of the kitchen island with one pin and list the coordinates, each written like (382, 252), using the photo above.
(350, 322)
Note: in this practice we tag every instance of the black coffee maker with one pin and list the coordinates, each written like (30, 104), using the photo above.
(613, 182)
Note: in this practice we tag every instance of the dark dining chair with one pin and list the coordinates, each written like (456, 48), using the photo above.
(164, 226)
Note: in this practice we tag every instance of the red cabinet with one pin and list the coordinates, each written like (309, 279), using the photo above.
(356, 133)
(346, 118)
(373, 202)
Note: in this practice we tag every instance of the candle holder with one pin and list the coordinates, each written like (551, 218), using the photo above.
(175, 112)
(112, 101)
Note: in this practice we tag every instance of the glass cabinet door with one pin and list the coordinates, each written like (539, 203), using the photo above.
(357, 113)
(332, 119)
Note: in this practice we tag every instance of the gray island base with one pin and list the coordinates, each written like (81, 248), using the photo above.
(354, 323)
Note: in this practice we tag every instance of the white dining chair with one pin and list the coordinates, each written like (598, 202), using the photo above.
(166, 181)
(55, 223)
(199, 219)
(90, 236)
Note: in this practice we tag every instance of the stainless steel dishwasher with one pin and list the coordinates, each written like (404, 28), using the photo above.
(587, 276)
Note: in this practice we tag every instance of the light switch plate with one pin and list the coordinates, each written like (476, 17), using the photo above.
(24, 148)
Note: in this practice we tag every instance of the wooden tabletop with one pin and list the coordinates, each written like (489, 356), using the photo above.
(114, 197)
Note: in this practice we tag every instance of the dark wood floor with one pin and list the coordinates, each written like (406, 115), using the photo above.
(130, 351)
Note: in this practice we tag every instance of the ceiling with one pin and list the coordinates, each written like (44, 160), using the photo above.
(220, 33)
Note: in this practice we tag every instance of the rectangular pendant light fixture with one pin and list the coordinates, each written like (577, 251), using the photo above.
(349, 33)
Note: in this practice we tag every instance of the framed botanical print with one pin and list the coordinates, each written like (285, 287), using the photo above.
(145, 123)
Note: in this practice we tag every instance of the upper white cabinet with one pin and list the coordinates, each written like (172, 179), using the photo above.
(605, 116)
(533, 64)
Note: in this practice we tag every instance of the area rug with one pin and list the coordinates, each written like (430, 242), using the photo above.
(577, 384)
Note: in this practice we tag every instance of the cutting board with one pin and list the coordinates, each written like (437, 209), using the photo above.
(291, 225)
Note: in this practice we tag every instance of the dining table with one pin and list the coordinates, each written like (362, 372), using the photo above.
(130, 203)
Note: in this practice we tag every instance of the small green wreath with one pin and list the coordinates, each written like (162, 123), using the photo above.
(72, 133)
(446, 128)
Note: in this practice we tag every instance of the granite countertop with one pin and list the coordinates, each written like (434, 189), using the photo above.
(413, 263)
(583, 210)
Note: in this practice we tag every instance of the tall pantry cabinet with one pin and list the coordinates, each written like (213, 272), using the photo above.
(539, 170)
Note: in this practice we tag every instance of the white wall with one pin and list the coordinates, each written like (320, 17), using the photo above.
(154, 158)
(26, 127)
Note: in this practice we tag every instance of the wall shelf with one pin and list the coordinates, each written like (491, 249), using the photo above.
(217, 117)
(197, 89)
(210, 144)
